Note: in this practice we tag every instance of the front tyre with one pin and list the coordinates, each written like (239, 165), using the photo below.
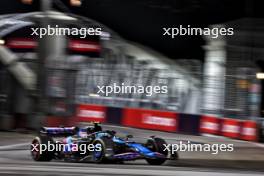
(157, 145)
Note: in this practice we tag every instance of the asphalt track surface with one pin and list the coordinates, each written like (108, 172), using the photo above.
(247, 159)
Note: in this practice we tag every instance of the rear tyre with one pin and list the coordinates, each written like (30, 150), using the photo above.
(103, 150)
(35, 149)
(157, 145)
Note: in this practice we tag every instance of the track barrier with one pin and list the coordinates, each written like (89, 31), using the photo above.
(163, 121)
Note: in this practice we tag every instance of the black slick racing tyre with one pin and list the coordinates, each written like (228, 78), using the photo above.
(157, 145)
(35, 149)
(106, 150)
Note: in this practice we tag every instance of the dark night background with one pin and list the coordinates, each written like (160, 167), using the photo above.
(142, 20)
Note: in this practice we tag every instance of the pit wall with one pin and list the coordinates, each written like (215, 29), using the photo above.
(161, 121)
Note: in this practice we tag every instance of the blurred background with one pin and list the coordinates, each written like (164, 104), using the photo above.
(203, 75)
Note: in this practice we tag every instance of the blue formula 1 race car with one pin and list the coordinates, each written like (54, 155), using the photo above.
(96, 145)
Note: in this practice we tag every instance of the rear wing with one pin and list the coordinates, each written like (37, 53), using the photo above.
(59, 131)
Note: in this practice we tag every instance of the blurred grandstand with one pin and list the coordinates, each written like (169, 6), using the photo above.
(73, 74)
(223, 85)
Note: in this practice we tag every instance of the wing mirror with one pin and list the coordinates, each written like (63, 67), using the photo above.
(129, 136)
(113, 132)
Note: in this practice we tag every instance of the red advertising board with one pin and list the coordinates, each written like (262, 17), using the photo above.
(150, 119)
(249, 131)
(210, 125)
(231, 128)
(91, 113)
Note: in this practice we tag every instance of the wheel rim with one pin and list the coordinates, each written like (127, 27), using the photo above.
(97, 154)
